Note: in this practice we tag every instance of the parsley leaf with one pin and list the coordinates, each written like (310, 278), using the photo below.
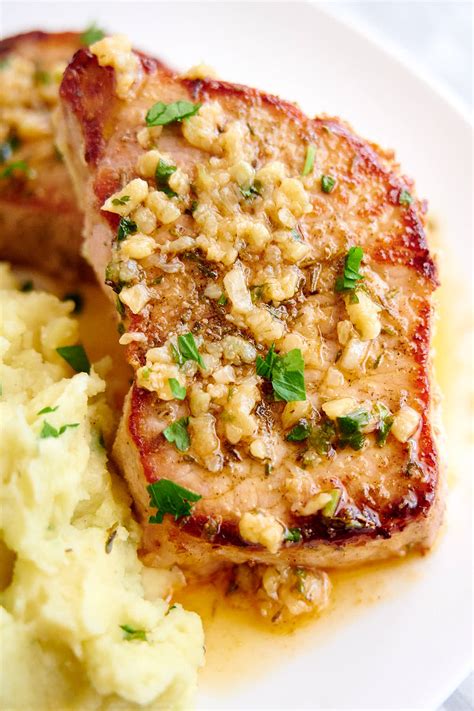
(309, 160)
(286, 373)
(288, 377)
(405, 198)
(322, 437)
(350, 427)
(170, 498)
(179, 391)
(126, 227)
(162, 114)
(76, 357)
(49, 431)
(351, 275)
(16, 165)
(129, 633)
(265, 366)
(384, 425)
(45, 410)
(299, 432)
(189, 350)
(92, 34)
(222, 300)
(327, 183)
(177, 434)
(252, 191)
(27, 286)
(293, 535)
(163, 173)
(121, 200)
(177, 357)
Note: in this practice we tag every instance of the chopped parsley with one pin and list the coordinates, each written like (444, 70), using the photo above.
(43, 77)
(350, 428)
(177, 357)
(384, 424)
(46, 410)
(130, 633)
(163, 173)
(121, 200)
(222, 300)
(330, 508)
(351, 275)
(285, 372)
(92, 34)
(126, 227)
(405, 198)
(177, 434)
(252, 191)
(77, 299)
(309, 160)
(50, 431)
(76, 357)
(189, 350)
(179, 391)
(327, 183)
(322, 438)
(299, 432)
(293, 535)
(16, 165)
(162, 114)
(170, 498)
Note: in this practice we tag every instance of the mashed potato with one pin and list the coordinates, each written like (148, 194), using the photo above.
(77, 632)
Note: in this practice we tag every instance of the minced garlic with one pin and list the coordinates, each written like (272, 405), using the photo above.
(116, 52)
(263, 529)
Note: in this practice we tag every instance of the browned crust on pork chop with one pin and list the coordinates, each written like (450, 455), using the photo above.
(399, 509)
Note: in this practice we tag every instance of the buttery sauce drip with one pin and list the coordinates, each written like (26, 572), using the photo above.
(240, 643)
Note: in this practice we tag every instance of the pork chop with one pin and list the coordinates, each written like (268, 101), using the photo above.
(274, 286)
(40, 224)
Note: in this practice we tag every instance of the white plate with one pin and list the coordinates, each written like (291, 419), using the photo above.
(412, 649)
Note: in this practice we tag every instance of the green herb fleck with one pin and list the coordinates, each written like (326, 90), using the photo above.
(384, 424)
(46, 410)
(121, 200)
(76, 357)
(77, 299)
(162, 114)
(8, 147)
(285, 372)
(405, 198)
(351, 275)
(170, 498)
(16, 165)
(43, 77)
(163, 173)
(252, 191)
(330, 508)
(293, 535)
(309, 160)
(222, 300)
(130, 633)
(299, 432)
(50, 431)
(119, 306)
(179, 391)
(350, 427)
(177, 434)
(126, 227)
(177, 357)
(189, 350)
(327, 183)
(92, 34)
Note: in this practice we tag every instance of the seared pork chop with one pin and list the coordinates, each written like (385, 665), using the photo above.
(274, 286)
(40, 225)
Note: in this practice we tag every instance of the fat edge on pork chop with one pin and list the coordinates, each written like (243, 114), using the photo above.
(273, 284)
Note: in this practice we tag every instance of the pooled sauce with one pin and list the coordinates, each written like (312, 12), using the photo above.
(240, 643)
